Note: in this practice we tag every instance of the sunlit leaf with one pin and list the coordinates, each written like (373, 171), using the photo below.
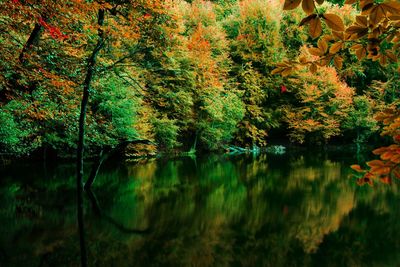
(334, 22)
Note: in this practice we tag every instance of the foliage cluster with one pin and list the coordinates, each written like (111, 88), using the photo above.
(194, 74)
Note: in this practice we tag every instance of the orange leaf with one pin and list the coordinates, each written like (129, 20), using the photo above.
(307, 19)
(336, 47)
(315, 27)
(334, 22)
(362, 21)
(387, 155)
(395, 158)
(291, 4)
(323, 46)
(380, 150)
(338, 61)
(357, 168)
(375, 163)
(315, 51)
(376, 14)
(308, 6)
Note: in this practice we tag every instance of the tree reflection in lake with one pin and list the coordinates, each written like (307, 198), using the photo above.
(290, 210)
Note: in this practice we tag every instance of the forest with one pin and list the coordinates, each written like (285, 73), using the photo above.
(197, 75)
(236, 125)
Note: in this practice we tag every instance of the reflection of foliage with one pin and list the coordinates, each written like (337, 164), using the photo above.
(264, 210)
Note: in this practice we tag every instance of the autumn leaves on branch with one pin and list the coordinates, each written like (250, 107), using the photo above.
(374, 34)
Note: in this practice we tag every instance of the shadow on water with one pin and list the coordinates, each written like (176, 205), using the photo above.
(296, 209)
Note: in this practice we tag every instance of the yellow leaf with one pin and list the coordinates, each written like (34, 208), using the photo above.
(308, 6)
(334, 22)
(291, 4)
(287, 72)
(277, 71)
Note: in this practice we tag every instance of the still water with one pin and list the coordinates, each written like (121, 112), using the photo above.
(296, 209)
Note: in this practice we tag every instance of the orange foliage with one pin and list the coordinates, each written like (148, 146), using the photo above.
(374, 35)
(324, 103)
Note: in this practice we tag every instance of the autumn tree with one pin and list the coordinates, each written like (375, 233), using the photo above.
(373, 35)
(322, 104)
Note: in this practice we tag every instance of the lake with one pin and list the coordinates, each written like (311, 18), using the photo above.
(296, 209)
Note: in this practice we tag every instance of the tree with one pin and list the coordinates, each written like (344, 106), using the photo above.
(322, 103)
(374, 35)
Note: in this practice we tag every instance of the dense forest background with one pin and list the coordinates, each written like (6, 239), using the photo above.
(181, 75)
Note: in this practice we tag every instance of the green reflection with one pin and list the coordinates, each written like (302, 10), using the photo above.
(297, 209)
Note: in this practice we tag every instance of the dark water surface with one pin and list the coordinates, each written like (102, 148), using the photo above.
(296, 209)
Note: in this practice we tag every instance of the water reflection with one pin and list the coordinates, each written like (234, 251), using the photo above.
(290, 210)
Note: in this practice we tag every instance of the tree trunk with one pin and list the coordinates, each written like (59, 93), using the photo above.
(33, 38)
(81, 141)
(95, 169)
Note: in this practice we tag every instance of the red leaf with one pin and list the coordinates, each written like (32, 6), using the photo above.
(283, 89)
